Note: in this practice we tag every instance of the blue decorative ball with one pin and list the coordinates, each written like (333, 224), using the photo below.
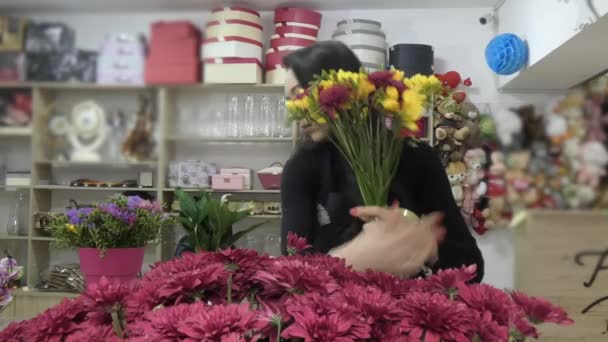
(506, 54)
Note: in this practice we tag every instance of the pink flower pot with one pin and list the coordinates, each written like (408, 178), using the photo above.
(122, 264)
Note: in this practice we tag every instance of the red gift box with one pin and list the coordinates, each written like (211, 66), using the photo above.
(274, 58)
(277, 42)
(166, 73)
(175, 51)
(300, 15)
(174, 30)
(283, 29)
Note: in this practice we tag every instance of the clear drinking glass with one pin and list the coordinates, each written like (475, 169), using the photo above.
(265, 116)
(18, 218)
(232, 123)
(272, 244)
(219, 124)
(283, 129)
(249, 117)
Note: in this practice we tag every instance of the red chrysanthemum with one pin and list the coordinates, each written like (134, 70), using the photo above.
(450, 279)
(219, 321)
(320, 304)
(15, 332)
(488, 330)
(335, 327)
(388, 283)
(296, 244)
(104, 296)
(182, 287)
(93, 333)
(435, 317)
(162, 324)
(524, 328)
(187, 262)
(379, 309)
(540, 310)
(285, 276)
(381, 78)
(484, 298)
(271, 317)
(335, 266)
(144, 300)
(242, 264)
(58, 322)
(333, 98)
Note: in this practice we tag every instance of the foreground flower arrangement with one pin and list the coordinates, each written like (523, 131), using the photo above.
(240, 296)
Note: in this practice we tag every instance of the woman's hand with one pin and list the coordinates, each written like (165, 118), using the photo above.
(391, 242)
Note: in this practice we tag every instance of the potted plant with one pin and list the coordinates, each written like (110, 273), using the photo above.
(111, 236)
(209, 222)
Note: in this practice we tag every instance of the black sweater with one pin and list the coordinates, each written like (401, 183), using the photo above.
(319, 188)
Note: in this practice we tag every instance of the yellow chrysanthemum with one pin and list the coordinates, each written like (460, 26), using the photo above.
(412, 106)
(291, 105)
(365, 87)
(317, 117)
(398, 75)
(423, 84)
(390, 105)
(302, 103)
(326, 84)
(392, 93)
(347, 77)
(71, 228)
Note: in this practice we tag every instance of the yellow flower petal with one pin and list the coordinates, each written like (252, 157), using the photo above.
(390, 105)
(392, 93)
(398, 75)
(365, 87)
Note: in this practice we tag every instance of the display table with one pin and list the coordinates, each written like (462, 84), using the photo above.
(563, 256)
(27, 304)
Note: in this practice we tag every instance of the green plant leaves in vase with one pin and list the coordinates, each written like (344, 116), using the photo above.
(209, 222)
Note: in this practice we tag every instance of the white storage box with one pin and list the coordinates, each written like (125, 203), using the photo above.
(276, 75)
(118, 63)
(123, 44)
(234, 28)
(359, 24)
(369, 54)
(232, 70)
(247, 175)
(235, 12)
(361, 37)
(231, 47)
(121, 78)
(195, 174)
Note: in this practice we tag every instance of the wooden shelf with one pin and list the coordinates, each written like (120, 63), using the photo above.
(43, 238)
(89, 188)
(13, 237)
(185, 139)
(12, 187)
(115, 87)
(110, 164)
(26, 291)
(14, 132)
(227, 191)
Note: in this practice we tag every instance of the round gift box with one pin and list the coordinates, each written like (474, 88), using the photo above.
(235, 12)
(370, 67)
(277, 43)
(359, 24)
(370, 54)
(275, 74)
(293, 23)
(285, 29)
(283, 48)
(412, 58)
(300, 15)
(361, 37)
(294, 35)
(231, 47)
(275, 58)
(234, 28)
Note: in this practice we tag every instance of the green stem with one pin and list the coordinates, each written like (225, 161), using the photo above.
(116, 324)
(229, 292)
(279, 328)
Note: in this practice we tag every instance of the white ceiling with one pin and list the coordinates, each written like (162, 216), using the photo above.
(190, 5)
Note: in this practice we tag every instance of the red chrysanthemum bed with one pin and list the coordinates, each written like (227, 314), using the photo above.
(239, 295)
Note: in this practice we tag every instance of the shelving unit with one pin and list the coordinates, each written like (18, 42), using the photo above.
(171, 145)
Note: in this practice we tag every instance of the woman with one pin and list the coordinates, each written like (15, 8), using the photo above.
(321, 200)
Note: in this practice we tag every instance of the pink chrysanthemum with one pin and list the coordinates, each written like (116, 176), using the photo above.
(379, 309)
(435, 317)
(335, 327)
(272, 317)
(540, 310)
(388, 283)
(524, 328)
(294, 276)
(93, 333)
(162, 324)
(320, 304)
(336, 267)
(183, 287)
(296, 244)
(104, 296)
(15, 332)
(57, 323)
(219, 321)
(488, 330)
(484, 298)
(188, 262)
(450, 279)
(242, 264)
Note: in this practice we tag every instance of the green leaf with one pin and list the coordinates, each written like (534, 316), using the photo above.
(234, 238)
(187, 205)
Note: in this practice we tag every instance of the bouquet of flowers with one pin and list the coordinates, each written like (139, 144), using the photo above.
(9, 274)
(238, 295)
(122, 222)
(369, 116)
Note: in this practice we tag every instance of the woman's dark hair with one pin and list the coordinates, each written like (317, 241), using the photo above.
(326, 55)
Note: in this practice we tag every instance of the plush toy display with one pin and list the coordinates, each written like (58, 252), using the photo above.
(474, 186)
(498, 210)
(456, 172)
(509, 129)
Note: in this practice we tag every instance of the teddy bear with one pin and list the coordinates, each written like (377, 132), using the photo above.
(509, 129)
(473, 184)
(517, 178)
(496, 191)
(594, 159)
(449, 142)
(456, 173)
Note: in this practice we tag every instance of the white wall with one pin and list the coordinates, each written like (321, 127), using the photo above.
(456, 34)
